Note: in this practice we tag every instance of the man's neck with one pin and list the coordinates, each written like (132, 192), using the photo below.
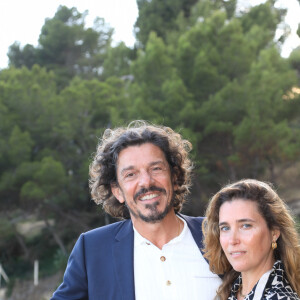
(161, 232)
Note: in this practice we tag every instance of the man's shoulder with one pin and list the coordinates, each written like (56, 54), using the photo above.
(106, 231)
(192, 219)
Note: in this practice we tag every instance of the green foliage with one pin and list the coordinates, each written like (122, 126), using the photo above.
(60, 260)
(49, 179)
(20, 145)
(161, 17)
(6, 231)
(32, 191)
(117, 61)
(157, 16)
(294, 60)
(66, 46)
(18, 57)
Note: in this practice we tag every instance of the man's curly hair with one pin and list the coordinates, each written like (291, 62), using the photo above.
(103, 173)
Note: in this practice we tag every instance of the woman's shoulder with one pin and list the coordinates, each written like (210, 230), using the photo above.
(278, 287)
(282, 293)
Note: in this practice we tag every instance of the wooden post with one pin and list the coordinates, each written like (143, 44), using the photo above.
(36, 273)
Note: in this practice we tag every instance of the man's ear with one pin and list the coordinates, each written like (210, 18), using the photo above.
(117, 192)
(174, 179)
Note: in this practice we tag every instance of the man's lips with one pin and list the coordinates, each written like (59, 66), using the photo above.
(147, 194)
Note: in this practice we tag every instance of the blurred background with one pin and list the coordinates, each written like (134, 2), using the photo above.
(223, 73)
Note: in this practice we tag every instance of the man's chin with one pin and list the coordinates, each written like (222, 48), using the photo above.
(150, 212)
(154, 216)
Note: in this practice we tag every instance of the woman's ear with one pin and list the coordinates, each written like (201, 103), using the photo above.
(275, 234)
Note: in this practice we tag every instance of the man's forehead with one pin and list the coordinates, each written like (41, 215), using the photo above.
(146, 153)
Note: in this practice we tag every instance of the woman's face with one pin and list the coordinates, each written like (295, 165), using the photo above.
(245, 237)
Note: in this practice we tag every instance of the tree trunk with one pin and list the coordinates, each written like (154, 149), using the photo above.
(232, 171)
(56, 236)
(272, 170)
(22, 243)
(70, 217)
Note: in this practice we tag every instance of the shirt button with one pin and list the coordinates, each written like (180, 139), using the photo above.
(168, 282)
(162, 258)
(148, 243)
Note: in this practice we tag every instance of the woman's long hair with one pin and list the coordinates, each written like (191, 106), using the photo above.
(276, 214)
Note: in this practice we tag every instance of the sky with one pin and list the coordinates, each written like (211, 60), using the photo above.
(22, 20)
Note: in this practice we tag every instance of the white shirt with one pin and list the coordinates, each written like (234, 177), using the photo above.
(176, 272)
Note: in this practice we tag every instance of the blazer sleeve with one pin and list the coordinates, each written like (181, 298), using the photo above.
(74, 285)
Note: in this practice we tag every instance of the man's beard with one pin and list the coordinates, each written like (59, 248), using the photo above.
(155, 216)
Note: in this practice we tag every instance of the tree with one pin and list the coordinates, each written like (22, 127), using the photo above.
(265, 135)
(66, 46)
(161, 16)
(28, 56)
(117, 61)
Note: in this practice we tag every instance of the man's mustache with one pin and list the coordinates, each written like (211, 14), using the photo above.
(150, 189)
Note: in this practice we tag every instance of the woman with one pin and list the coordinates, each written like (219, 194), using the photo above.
(250, 237)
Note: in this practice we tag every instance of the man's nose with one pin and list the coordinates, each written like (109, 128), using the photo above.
(145, 179)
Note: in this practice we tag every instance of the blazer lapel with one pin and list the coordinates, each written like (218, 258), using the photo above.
(123, 260)
(195, 226)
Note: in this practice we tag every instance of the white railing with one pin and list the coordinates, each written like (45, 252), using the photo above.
(3, 274)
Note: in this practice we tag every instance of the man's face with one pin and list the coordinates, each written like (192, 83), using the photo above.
(144, 182)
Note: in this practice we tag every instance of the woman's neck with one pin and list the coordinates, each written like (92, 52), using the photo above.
(250, 278)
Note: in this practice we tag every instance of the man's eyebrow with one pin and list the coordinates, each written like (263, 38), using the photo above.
(156, 162)
(153, 163)
(126, 169)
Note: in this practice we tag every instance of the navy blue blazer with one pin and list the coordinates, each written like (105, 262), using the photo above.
(101, 263)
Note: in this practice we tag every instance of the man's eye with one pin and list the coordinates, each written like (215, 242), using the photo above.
(157, 169)
(128, 175)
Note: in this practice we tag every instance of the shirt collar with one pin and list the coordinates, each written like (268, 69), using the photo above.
(139, 240)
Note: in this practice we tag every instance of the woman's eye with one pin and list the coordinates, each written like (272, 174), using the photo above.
(224, 228)
(247, 225)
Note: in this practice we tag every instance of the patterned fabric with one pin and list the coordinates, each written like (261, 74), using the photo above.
(277, 286)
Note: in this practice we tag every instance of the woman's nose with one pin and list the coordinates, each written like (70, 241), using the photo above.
(234, 237)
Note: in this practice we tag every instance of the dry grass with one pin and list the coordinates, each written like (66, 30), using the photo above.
(24, 290)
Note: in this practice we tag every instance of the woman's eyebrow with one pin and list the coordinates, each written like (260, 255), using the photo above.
(238, 221)
(223, 223)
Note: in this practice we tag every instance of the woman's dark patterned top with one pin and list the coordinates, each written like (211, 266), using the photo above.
(277, 286)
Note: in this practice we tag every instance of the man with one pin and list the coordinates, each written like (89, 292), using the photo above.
(141, 174)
